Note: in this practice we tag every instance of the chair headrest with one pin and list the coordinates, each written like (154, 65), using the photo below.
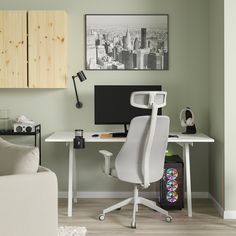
(148, 99)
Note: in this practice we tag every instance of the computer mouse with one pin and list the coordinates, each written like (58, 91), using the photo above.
(95, 135)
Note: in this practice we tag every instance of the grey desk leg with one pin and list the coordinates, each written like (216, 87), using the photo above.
(70, 179)
(186, 154)
(74, 178)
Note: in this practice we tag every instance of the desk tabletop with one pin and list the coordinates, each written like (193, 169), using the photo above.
(68, 136)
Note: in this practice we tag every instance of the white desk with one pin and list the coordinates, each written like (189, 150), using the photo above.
(184, 140)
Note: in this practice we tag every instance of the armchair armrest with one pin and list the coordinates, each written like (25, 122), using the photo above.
(107, 155)
(28, 204)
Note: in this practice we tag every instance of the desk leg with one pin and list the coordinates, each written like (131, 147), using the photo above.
(186, 153)
(74, 178)
(70, 179)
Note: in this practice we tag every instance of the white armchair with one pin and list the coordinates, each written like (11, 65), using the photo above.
(28, 201)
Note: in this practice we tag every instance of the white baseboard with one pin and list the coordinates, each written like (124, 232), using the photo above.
(230, 215)
(227, 215)
(203, 195)
(125, 194)
(218, 207)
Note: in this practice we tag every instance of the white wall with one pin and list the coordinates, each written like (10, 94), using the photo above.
(230, 110)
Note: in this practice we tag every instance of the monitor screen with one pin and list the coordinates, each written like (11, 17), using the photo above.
(112, 103)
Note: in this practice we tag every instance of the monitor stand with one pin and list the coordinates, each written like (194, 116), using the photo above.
(121, 134)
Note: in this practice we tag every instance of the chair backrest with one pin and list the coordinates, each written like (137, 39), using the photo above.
(141, 158)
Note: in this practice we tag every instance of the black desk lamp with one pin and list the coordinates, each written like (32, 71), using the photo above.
(82, 78)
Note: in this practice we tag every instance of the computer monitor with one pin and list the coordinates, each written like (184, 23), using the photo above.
(112, 103)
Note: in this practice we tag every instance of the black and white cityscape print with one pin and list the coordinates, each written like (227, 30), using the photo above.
(127, 42)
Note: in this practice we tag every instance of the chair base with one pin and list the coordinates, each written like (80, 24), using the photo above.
(136, 200)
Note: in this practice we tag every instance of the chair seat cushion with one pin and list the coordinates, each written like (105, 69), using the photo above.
(18, 159)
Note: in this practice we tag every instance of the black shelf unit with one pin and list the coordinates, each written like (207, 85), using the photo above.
(36, 134)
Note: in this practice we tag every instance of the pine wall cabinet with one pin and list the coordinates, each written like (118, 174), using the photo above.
(33, 49)
(13, 49)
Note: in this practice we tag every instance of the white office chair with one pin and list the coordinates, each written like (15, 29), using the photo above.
(141, 158)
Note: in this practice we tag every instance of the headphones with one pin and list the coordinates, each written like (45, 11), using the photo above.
(189, 117)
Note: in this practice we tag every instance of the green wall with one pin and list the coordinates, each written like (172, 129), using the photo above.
(186, 83)
(216, 99)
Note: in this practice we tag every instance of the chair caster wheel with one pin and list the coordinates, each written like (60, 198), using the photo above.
(168, 219)
(118, 209)
(101, 217)
(133, 225)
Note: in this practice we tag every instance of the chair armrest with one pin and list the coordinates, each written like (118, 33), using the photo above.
(107, 155)
(28, 201)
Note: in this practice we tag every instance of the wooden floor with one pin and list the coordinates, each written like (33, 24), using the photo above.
(205, 220)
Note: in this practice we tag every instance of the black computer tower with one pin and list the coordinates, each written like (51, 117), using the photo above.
(172, 184)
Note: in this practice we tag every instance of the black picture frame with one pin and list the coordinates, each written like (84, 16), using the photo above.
(127, 42)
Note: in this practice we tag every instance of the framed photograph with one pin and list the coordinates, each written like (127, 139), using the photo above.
(127, 42)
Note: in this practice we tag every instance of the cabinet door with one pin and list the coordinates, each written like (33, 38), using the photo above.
(13, 49)
(47, 35)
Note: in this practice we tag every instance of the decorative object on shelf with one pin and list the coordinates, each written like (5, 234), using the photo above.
(79, 141)
(82, 78)
(24, 125)
(188, 121)
(23, 128)
(22, 119)
(127, 42)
